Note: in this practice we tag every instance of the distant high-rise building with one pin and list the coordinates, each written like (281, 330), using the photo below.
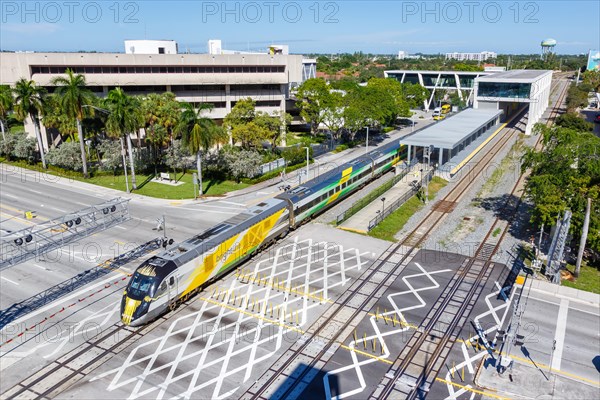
(403, 55)
(484, 55)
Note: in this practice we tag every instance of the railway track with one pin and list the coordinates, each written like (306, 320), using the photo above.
(392, 262)
(61, 374)
(425, 354)
(75, 365)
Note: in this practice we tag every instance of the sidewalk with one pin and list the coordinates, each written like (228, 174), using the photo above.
(327, 161)
(570, 293)
(530, 381)
(359, 222)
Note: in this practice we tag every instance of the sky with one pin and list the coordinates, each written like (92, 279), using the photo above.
(503, 26)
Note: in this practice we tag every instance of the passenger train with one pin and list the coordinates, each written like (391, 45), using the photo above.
(160, 282)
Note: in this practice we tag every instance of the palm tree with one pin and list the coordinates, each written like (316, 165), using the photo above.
(29, 102)
(124, 118)
(198, 133)
(73, 96)
(6, 104)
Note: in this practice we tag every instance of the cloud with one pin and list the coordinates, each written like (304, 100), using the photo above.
(31, 28)
(375, 37)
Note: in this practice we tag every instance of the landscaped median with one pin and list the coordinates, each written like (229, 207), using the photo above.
(147, 187)
(144, 182)
(393, 223)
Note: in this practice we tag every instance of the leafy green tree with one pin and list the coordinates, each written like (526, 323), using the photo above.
(66, 156)
(467, 67)
(275, 125)
(8, 143)
(389, 99)
(6, 105)
(592, 78)
(29, 102)
(563, 176)
(333, 116)
(249, 135)
(24, 148)
(109, 155)
(75, 99)
(198, 133)
(243, 112)
(124, 118)
(314, 97)
(243, 163)
(575, 122)
(414, 94)
(177, 157)
(577, 96)
(55, 117)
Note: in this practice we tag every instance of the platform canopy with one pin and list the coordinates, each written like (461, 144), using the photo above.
(451, 132)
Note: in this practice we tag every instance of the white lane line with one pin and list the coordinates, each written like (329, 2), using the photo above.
(8, 280)
(209, 211)
(215, 206)
(231, 202)
(40, 267)
(562, 297)
(62, 300)
(559, 336)
(35, 191)
(121, 227)
(9, 195)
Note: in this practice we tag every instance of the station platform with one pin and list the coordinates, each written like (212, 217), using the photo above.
(359, 222)
(462, 158)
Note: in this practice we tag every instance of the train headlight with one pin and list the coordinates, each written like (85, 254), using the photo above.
(147, 299)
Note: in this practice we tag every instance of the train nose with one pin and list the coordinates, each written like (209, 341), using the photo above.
(129, 307)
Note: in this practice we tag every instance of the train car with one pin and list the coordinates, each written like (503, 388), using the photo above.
(162, 280)
(316, 195)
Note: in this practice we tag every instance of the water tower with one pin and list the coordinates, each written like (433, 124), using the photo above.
(548, 46)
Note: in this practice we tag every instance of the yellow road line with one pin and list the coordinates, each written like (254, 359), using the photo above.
(16, 218)
(354, 230)
(470, 156)
(470, 389)
(250, 314)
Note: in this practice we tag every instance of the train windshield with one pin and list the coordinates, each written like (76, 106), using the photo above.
(142, 286)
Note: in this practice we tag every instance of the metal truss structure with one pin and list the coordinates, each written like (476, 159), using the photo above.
(35, 241)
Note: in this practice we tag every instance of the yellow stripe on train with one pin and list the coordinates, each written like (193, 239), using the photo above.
(230, 250)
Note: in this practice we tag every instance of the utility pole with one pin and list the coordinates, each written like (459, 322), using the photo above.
(307, 161)
(584, 233)
(124, 164)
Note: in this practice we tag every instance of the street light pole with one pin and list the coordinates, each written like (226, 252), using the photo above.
(382, 205)
(124, 164)
(122, 145)
(307, 160)
(367, 147)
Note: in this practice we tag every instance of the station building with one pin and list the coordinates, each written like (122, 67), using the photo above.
(461, 81)
(513, 90)
(151, 67)
(499, 98)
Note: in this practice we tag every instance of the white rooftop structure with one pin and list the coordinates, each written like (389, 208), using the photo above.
(451, 132)
(150, 47)
(502, 90)
(460, 81)
(454, 134)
